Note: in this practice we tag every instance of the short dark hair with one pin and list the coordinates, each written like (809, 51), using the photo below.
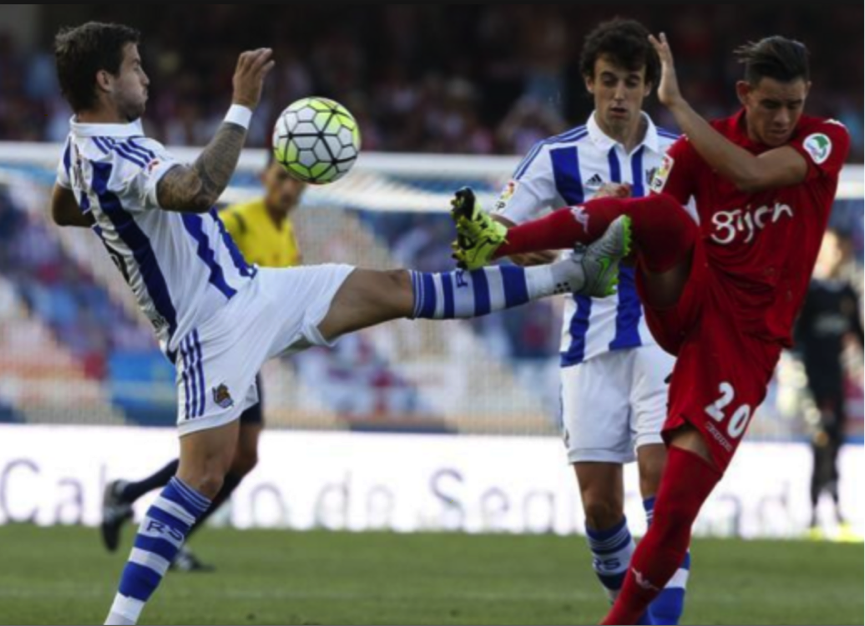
(776, 57)
(626, 42)
(85, 50)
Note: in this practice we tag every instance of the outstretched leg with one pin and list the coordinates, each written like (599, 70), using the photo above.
(368, 297)
(664, 237)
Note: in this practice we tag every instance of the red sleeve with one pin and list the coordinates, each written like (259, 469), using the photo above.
(676, 177)
(825, 147)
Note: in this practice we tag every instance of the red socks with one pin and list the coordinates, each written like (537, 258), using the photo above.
(687, 483)
(663, 231)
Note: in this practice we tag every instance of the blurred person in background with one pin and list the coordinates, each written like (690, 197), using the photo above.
(830, 319)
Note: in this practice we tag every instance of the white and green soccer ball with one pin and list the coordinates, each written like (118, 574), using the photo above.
(316, 140)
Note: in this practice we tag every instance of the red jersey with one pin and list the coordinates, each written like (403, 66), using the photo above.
(762, 246)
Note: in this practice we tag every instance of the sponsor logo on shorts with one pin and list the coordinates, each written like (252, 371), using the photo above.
(222, 397)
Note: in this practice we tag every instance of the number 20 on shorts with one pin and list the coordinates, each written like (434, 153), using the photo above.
(739, 421)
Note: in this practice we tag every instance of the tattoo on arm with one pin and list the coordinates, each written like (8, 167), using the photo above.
(197, 188)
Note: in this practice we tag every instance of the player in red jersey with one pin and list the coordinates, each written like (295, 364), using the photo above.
(723, 295)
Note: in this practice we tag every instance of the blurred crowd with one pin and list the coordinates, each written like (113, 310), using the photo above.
(425, 78)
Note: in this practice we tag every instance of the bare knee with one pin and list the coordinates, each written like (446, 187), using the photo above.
(603, 513)
(205, 472)
(206, 480)
(602, 490)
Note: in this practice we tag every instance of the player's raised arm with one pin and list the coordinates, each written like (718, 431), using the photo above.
(196, 188)
(780, 167)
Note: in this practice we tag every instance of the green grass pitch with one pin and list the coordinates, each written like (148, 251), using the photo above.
(62, 576)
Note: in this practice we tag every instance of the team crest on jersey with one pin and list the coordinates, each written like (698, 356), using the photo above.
(659, 180)
(222, 397)
(506, 196)
(819, 146)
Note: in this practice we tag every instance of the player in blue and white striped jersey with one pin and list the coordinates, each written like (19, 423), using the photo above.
(614, 395)
(215, 316)
(180, 269)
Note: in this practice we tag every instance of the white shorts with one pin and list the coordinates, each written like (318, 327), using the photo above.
(614, 404)
(278, 313)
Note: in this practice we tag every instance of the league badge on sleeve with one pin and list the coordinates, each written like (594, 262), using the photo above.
(819, 146)
(506, 196)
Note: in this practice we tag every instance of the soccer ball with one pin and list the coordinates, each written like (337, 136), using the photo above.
(316, 140)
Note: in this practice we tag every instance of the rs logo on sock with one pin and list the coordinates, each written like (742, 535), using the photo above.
(164, 529)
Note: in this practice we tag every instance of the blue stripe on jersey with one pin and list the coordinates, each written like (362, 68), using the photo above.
(137, 149)
(572, 135)
(566, 170)
(195, 227)
(629, 313)
(107, 144)
(67, 159)
(629, 310)
(102, 147)
(569, 183)
(637, 174)
(130, 233)
(237, 257)
(615, 167)
(527, 162)
(84, 203)
(576, 353)
(130, 156)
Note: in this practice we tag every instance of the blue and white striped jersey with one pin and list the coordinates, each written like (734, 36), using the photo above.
(182, 267)
(568, 170)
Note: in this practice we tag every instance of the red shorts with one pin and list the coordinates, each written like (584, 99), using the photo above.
(722, 374)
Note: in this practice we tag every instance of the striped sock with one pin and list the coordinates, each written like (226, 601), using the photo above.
(611, 553)
(160, 537)
(461, 295)
(670, 605)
